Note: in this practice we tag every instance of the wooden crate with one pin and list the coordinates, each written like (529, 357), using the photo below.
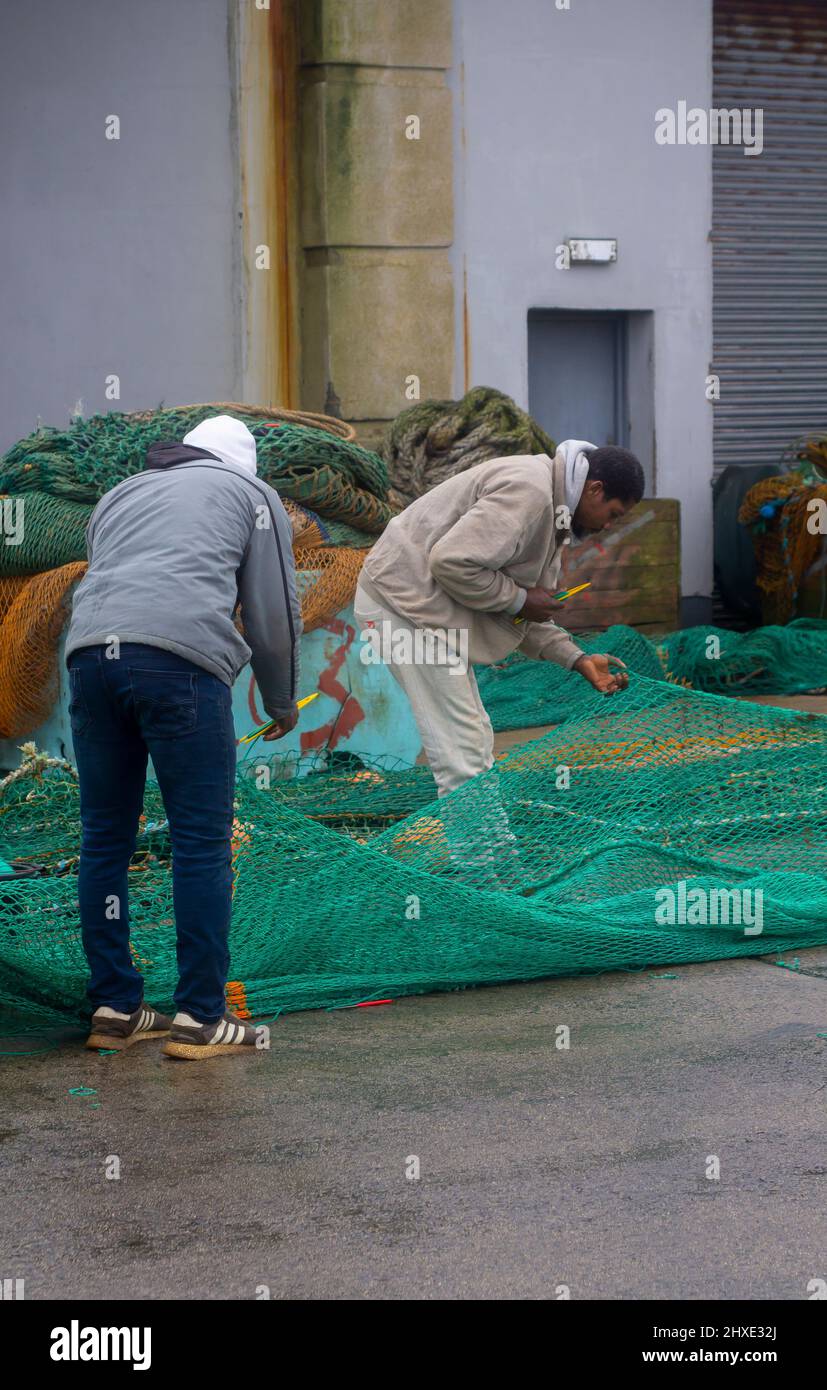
(635, 572)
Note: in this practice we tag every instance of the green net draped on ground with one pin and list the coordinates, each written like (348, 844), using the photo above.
(554, 863)
(520, 694)
(771, 660)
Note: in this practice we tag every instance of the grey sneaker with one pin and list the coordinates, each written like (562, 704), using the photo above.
(197, 1041)
(116, 1031)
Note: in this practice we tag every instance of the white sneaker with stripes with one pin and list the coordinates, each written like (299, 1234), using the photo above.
(115, 1031)
(196, 1041)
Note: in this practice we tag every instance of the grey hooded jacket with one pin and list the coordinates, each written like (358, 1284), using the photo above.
(173, 550)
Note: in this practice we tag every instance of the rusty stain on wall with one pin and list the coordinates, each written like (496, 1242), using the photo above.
(466, 329)
(267, 153)
(466, 324)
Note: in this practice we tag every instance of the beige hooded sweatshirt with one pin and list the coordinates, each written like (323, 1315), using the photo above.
(459, 556)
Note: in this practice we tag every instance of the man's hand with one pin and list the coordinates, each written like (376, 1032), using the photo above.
(540, 605)
(282, 726)
(597, 671)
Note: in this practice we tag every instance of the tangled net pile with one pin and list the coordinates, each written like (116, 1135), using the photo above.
(554, 863)
(336, 493)
(792, 660)
(779, 514)
(58, 471)
(33, 611)
(433, 440)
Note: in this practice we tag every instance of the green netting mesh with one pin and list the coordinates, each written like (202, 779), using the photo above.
(769, 660)
(357, 795)
(340, 533)
(519, 693)
(53, 532)
(554, 863)
(339, 478)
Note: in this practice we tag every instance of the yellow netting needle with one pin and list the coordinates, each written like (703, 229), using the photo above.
(251, 738)
(567, 593)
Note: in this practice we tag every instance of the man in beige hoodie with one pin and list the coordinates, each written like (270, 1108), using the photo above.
(467, 574)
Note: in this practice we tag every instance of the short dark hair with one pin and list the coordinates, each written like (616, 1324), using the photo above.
(619, 471)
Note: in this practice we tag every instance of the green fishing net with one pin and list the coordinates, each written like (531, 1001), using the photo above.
(341, 480)
(519, 693)
(433, 440)
(777, 660)
(52, 532)
(660, 826)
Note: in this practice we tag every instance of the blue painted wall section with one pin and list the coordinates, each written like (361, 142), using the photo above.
(360, 708)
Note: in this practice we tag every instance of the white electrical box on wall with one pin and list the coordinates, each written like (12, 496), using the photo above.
(592, 250)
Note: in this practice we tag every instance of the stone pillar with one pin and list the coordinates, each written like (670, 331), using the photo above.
(376, 215)
(264, 48)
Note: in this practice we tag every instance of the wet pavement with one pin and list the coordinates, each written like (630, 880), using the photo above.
(541, 1168)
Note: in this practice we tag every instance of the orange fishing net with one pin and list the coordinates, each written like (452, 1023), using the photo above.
(327, 579)
(777, 510)
(34, 609)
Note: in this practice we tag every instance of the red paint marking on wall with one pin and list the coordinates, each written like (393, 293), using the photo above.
(351, 712)
(328, 735)
(252, 691)
(251, 701)
(329, 684)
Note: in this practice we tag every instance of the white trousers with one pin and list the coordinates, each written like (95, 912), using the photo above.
(455, 730)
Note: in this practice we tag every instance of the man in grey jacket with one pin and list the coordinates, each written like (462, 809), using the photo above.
(476, 561)
(153, 651)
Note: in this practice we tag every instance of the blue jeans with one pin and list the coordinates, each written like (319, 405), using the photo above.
(153, 702)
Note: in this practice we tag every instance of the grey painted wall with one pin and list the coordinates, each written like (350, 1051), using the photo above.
(117, 256)
(555, 115)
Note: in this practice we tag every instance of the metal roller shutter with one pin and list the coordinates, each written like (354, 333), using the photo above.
(769, 226)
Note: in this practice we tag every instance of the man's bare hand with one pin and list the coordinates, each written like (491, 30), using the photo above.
(282, 726)
(540, 606)
(598, 672)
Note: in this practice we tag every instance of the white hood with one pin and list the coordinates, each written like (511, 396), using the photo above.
(574, 453)
(228, 438)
